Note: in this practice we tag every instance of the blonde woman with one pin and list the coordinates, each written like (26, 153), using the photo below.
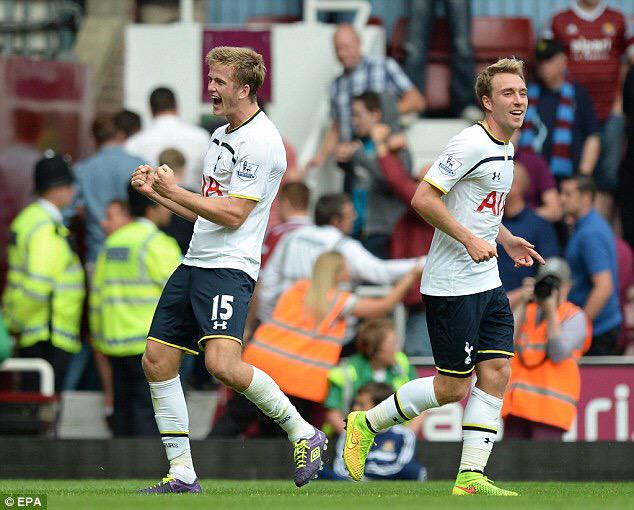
(304, 337)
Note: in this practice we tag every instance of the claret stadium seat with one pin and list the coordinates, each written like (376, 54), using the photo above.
(492, 38)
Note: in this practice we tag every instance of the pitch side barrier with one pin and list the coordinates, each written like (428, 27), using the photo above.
(599, 447)
(29, 458)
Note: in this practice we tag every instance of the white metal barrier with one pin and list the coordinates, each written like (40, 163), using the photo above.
(43, 367)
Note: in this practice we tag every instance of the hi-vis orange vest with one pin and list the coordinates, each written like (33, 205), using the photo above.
(295, 351)
(540, 390)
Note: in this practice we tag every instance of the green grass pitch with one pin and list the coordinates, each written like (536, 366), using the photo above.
(282, 495)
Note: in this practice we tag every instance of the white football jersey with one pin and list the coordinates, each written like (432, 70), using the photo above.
(246, 162)
(475, 173)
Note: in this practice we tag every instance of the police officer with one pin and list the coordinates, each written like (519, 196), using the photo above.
(131, 270)
(45, 289)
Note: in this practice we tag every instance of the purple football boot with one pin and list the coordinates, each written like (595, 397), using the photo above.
(307, 453)
(169, 484)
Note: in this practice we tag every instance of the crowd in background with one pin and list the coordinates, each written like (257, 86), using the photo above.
(573, 170)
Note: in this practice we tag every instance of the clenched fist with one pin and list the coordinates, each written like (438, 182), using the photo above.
(142, 179)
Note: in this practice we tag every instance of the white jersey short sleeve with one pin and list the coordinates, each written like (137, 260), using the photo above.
(475, 173)
(247, 162)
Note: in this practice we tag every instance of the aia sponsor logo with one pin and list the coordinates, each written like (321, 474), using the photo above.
(494, 202)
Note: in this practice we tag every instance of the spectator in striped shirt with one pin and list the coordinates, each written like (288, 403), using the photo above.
(360, 74)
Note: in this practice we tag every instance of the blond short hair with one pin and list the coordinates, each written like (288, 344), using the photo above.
(248, 66)
(483, 85)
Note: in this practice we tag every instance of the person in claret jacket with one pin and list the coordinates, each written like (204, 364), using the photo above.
(411, 236)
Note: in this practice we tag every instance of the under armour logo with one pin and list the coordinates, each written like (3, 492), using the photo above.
(487, 440)
(496, 176)
(220, 324)
(468, 350)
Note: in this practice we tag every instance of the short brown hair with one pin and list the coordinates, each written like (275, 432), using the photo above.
(584, 183)
(483, 85)
(104, 128)
(371, 101)
(297, 194)
(248, 66)
(377, 391)
(371, 335)
(172, 158)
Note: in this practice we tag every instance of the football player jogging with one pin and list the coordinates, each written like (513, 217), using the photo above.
(468, 315)
(204, 304)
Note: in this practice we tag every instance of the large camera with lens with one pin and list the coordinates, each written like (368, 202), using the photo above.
(544, 287)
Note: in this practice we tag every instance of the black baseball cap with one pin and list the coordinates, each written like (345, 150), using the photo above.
(51, 171)
(548, 48)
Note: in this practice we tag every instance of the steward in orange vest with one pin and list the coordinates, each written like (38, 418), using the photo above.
(295, 349)
(545, 381)
(303, 339)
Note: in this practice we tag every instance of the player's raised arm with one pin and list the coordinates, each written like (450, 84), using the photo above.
(143, 179)
(230, 212)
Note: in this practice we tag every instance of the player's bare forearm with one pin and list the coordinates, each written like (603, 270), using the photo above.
(430, 207)
(428, 204)
(504, 235)
(229, 212)
(178, 209)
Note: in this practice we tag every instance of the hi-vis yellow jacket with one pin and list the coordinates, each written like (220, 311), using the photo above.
(45, 285)
(131, 271)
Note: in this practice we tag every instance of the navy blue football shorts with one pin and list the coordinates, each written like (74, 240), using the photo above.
(465, 330)
(200, 304)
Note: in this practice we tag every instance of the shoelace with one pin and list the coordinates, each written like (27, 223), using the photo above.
(164, 481)
(300, 453)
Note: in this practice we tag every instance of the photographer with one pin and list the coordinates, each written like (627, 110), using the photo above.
(551, 333)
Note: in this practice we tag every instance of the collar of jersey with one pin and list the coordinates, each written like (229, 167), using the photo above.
(490, 135)
(243, 124)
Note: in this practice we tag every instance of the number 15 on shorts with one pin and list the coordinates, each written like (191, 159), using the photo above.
(222, 307)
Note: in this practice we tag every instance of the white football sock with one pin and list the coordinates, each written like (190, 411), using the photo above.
(409, 401)
(480, 423)
(170, 411)
(266, 394)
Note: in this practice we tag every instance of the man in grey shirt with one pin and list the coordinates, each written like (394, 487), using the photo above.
(102, 178)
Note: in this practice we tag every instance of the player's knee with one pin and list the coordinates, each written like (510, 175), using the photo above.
(497, 372)
(157, 368)
(219, 368)
(451, 389)
(149, 366)
(501, 372)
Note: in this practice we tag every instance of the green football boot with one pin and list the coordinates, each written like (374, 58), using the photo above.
(359, 441)
(472, 483)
